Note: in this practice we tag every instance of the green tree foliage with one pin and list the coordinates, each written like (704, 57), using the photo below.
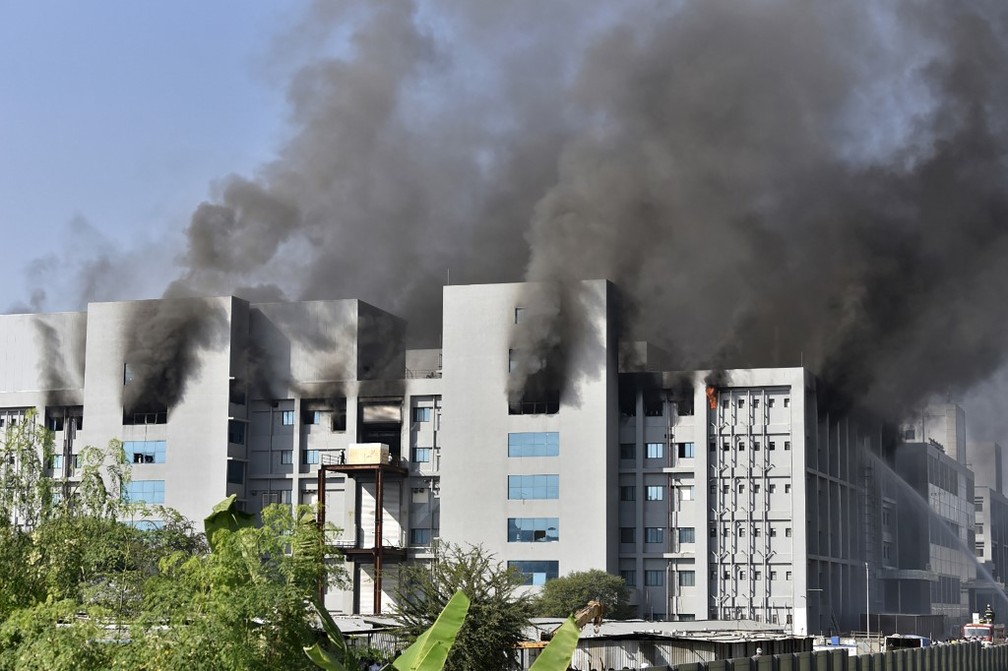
(497, 614)
(566, 595)
(26, 495)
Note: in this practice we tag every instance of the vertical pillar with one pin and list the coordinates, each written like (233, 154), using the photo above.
(378, 542)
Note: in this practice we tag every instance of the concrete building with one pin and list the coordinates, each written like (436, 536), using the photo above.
(734, 495)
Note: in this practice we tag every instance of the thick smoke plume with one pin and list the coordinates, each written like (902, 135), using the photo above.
(769, 183)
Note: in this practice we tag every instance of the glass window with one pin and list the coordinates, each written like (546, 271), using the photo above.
(654, 535)
(422, 414)
(420, 536)
(311, 457)
(687, 535)
(236, 431)
(655, 450)
(534, 444)
(686, 450)
(235, 471)
(627, 493)
(287, 418)
(422, 455)
(629, 577)
(533, 529)
(536, 572)
(145, 451)
(544, 486)
(628, 451)
(655, 493)
(687, 578)
(519, 315)
(628, 535)
(145, 491)
(57, 462)
(287, 457)
(654, 578)
(685, 492)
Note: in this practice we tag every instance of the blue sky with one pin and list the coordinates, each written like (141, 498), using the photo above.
(123, 113)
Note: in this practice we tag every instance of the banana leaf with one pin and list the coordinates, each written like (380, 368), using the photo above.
(225, 515)
(430, 651)
(558, 654)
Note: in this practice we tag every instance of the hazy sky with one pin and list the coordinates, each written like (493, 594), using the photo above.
(120, 114)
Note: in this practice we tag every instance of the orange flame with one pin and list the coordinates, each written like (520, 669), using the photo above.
(712, 397)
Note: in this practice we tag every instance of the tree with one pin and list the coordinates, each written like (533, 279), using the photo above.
(26, 494)
(563, 596)
(497, 613)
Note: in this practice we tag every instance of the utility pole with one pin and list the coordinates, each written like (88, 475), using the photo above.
(867, 599)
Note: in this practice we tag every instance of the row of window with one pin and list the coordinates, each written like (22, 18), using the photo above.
(539, 486)
(657, 450)
(741, 574)
(756, 488)
(656, 534)
(770, 402)
(656, 578)
(655, 492)
(144, 451)
(145, 491)
(533, 529)
(741, 445)
(534, 444)
(740, 531)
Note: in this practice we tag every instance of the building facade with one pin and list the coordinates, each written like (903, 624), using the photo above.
(726, 495)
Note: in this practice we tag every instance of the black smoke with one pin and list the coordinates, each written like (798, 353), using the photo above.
(769, 183)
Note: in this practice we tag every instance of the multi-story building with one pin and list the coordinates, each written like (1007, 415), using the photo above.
(736, 494)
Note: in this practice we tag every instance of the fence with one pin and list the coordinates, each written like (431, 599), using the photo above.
(959, 656)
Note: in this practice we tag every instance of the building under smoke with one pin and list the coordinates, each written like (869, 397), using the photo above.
(728, 494)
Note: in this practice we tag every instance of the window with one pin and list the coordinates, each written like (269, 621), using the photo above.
(771, 445)
(741, 403)
(311, 457)
(773, 575)
(787, 402)
(420, 536)
(287, 457)
(534, 444)
(57, 462)
(145, 451)
(757, 575)
(311, 417)
(422, 414)
(787, 532)
(741, 532)
(536, 572)
(756, 488)
(773, 532)
(756, 445)
(629, 577)
(145, 491)
(627, 493)
(627, 451)
(422, 455)
(787, 444)
(654, 578)
(687, 578)
(418, 495)
(287, 418)
(756, 532)
(688, 534)
(519, 315)
(654, 535)
(771, 488)
(628, 535)
(770, 402)
(787, 488)
(236, 431)
(741, 488)
(755, 403)
(686, 450)
(533, 529)
(787, 575)
(522, 487)
(725, 446)
(654, 493)
(685, 492)
(655, 450)
(235, 471)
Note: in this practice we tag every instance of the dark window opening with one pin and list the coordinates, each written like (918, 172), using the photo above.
(545, 403)
(148, 413)
(236, 392)
(235, 472)
(236, 431)
(654, 404)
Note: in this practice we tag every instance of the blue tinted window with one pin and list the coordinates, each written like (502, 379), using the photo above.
(311, 457)
(536, 572)
(521, 487)
(534, 444)
(145, 491)
(422, 455)
(655, 450)
(533, 529)
(145, 451)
